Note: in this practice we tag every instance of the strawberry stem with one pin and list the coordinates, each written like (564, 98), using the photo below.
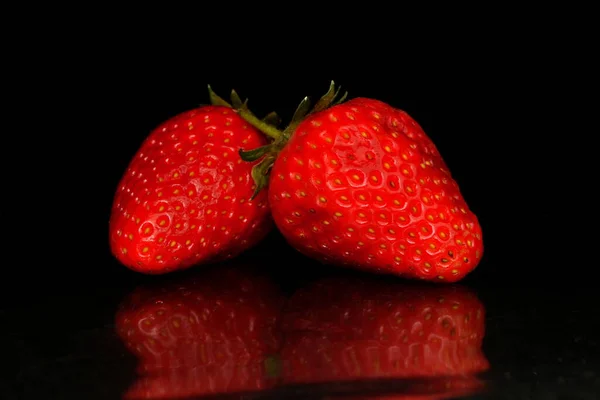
(268, 125)
(259, 124)
(268, 153)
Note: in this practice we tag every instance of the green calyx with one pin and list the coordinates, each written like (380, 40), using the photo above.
(268, 125)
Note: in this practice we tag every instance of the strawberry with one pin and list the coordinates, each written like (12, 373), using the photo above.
(359, 329)
(359, 183)
(185, 198)
(212, 332)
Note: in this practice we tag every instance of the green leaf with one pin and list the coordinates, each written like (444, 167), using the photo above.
(326, 99)
(301, 111)
(272, 119)
(255, 154)
(235, 100)
(215, 99)
(341, 99)
(260, 174)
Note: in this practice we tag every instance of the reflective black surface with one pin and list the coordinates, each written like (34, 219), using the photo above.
(254, 329)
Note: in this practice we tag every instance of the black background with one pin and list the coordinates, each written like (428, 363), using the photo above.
(499, 93)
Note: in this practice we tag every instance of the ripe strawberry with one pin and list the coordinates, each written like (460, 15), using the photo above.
(185, 198)
(212, 332)
(360, 184)
(355, 329)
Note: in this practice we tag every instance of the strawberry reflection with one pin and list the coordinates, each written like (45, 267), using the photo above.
(210, 332)
(228, 330)
(342, 330)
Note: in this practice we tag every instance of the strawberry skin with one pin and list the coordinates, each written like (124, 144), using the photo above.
(212, 332)
(361, 184)
(359, 329)
(185, 197)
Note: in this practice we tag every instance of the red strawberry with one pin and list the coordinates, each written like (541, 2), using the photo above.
(356, 329)
(213, 332)
(185, 198)
(360, 184)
